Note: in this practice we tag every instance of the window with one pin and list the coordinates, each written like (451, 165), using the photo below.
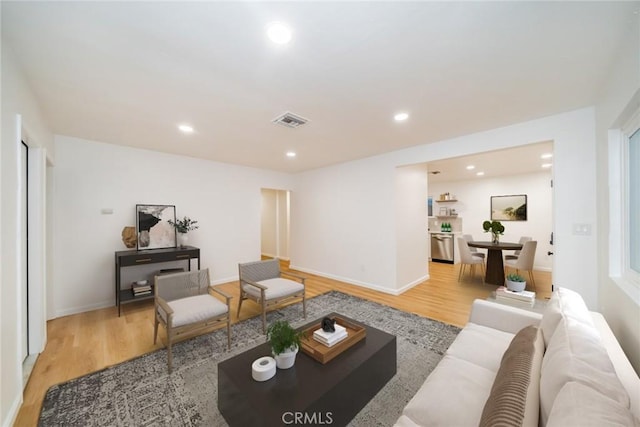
(633, 197)
(624, 205)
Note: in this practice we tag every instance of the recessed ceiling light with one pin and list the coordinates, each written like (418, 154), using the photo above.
(547, 165)
(185, 128)
(480, 173)
(401, 117)
(279, 33)
(546, 156)
(291, 154)
(470, 167)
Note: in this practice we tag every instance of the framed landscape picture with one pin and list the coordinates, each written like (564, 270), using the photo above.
(509, 208)
(153, 228)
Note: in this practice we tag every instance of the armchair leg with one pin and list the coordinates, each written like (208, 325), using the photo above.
(169, 353)
(264, 317)
(239, 305)
(229, 332)
(304, 306)
(155, 329)
(460, 271)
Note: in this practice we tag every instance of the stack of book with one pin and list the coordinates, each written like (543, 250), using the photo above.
(522, 298)
(330, 338)
(140, 290)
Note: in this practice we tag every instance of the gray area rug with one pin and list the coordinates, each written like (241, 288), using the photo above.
(140, 392)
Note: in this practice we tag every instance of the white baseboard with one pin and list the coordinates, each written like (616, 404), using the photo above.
(275, 256)
(408, 286)
(358, 282)
(225, 280)
(82, 309)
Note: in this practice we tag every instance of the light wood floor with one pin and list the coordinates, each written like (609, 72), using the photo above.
(87, 342)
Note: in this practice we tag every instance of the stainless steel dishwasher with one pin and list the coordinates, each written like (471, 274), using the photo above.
(442, 247)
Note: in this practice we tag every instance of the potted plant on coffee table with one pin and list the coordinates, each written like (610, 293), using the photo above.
(516, 282)
(285, 342)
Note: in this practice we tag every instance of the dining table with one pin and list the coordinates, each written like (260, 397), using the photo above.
(495, 267)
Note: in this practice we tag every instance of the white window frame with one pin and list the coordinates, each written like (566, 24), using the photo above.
(619, 212)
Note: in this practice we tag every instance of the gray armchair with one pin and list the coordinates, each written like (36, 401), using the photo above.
(184, 305)
(263, 282)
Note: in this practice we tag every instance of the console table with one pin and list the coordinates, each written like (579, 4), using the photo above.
(150, 256)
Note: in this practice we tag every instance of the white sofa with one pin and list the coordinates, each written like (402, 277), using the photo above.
(578, 374)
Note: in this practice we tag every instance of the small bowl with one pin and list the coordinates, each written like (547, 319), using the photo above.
(141, 282)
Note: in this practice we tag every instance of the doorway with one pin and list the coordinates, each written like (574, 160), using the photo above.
(275, 215)
(462, 188)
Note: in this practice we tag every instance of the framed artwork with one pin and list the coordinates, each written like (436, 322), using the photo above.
(153, 228)
(509, 208)
(430, 206)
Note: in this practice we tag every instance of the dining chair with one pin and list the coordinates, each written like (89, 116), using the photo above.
(474, 251)
(263, 282)
(515, 254)
(525, 260)
(466, 258)
(184, 305)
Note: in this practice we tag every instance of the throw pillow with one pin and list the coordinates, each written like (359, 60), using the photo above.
(579, 405)
(563, 302)
(575, 353)
(514, 397)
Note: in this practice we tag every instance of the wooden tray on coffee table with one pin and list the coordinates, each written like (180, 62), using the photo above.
(321, 352)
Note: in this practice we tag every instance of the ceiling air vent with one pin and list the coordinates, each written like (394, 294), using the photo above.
(290, 120)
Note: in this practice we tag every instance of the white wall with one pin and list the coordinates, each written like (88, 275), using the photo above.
(474, 201)
(411, 215)
(17, 100)
(622, 313)
(343, 223)
(356, 241)
(224, 199)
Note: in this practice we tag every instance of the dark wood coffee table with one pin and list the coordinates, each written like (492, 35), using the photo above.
(329, 394)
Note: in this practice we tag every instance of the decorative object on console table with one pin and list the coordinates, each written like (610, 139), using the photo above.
(154, 226)
(496, 229)
(285, 342)
(129, 237)
(509, 208)
(183, 226)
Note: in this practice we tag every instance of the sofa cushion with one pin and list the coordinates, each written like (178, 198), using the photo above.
(575, 353)
(453, 395)
(196, 309)
(276, 288)
(579, 405)
(563, 302)
(514, 399)
(474, 337)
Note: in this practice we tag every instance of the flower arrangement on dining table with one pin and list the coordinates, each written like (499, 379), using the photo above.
(496, 229)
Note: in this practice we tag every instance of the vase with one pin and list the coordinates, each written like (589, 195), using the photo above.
(496, 238)
(182, 240)
(286, 359)
(515, 286)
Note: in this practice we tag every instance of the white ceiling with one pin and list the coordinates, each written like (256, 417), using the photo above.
(494, 164)
(128, 72)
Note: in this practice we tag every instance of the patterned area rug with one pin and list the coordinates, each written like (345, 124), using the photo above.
(140, 392)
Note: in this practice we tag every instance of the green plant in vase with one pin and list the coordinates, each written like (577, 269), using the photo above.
(183, 226)
(285, 342)
(496, 229)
